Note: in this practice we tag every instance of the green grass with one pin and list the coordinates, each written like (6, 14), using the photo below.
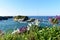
(35, 33)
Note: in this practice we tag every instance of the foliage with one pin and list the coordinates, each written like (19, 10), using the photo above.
(54, 20)
(20, 17)
(35, 33)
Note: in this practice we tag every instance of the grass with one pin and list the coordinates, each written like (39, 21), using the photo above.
(35, 33)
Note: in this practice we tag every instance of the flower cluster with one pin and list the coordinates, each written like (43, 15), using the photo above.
(58, 17)
(52, 33)
(23, 29)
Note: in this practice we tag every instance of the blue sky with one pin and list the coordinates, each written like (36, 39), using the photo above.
(29, 7)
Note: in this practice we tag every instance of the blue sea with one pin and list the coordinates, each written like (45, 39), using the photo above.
(10, 24)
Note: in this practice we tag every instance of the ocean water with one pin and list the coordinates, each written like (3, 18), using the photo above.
(45, 18)
(10, 24)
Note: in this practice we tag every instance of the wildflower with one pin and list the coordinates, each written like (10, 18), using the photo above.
(58, 17)
(37, 22)
(28, 28)
(29, 24)
(16, 31)
(23, 29)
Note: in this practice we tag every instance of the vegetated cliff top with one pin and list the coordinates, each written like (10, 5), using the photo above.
(20, 17)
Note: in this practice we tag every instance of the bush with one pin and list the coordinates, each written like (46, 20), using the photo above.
(35, 33)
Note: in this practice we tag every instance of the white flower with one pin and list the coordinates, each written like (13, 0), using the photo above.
(29, 24)
(37, 22)
(16, 31)
(28, 28)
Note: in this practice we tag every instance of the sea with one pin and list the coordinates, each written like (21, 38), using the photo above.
(10, 24)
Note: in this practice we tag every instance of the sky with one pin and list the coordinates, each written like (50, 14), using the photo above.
(29, 7)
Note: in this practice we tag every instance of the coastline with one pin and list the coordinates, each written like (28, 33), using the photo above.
(5, 17)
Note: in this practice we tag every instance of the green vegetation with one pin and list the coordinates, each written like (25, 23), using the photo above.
(35, 33)
(21, 17)
(54, 21)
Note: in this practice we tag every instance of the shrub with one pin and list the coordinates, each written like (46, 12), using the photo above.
(35, 33)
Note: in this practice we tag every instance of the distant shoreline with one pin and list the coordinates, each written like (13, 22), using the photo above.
(5, 17)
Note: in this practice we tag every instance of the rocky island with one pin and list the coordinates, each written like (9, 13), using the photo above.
(5, 17)
(21, 18)
(24, 19)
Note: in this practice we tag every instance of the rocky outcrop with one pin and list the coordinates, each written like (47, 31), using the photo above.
(21, 18)
(31, 20)
(5, 17)
(9, 17)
